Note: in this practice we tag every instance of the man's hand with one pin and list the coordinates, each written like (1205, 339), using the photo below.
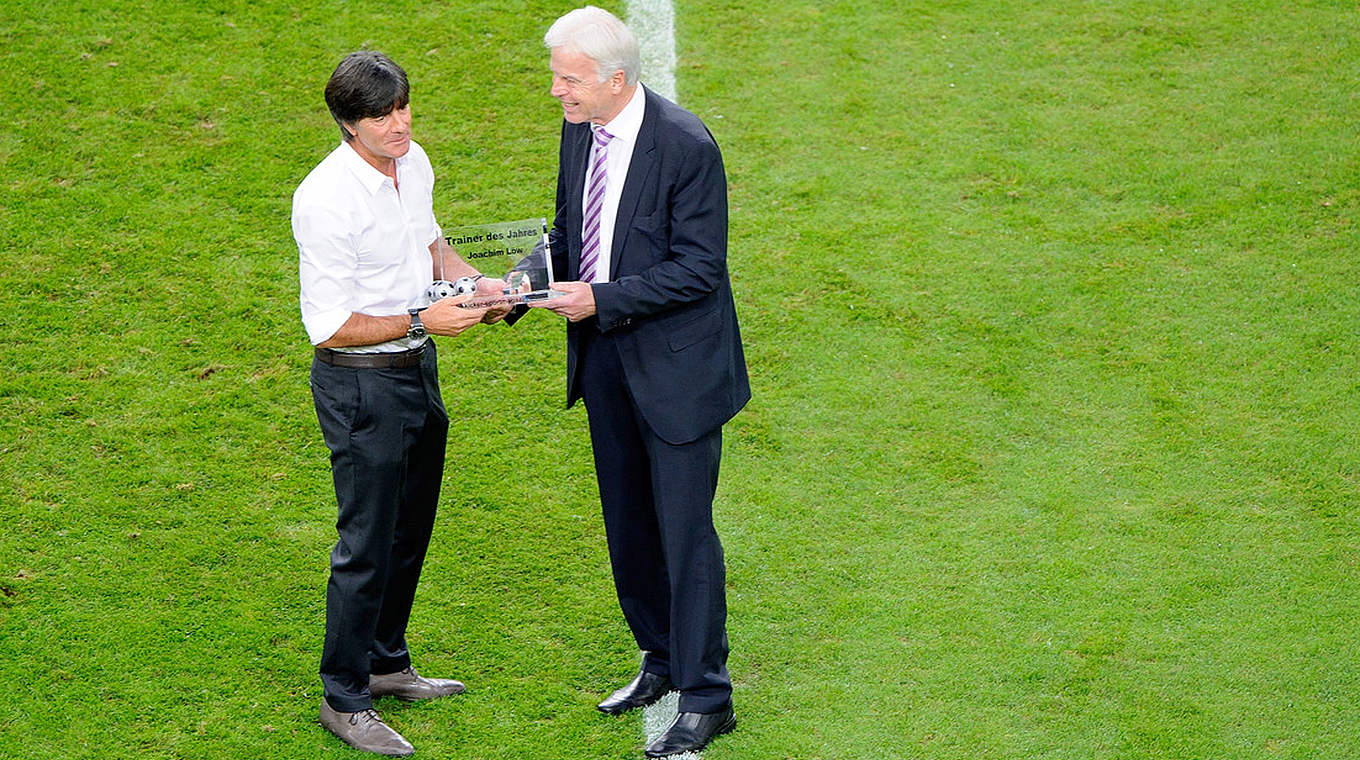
(489, 287)
(446, 317)
(576, 305)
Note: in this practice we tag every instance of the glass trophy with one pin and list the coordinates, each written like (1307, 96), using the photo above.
(517, 252)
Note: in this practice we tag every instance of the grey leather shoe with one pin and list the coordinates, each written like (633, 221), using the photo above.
(410, 686)
(365, 730)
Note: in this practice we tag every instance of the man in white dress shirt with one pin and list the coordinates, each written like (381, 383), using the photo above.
(368, 246)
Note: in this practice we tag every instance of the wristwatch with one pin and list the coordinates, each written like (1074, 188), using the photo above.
(417, 329)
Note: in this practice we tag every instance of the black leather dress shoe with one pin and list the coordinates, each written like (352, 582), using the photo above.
(692, 732)
(644, 690)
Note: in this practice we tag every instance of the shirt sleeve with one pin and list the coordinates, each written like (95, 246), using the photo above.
(327, 262)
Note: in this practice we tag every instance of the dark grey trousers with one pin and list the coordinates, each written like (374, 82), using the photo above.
(386, 430)
(657, 500)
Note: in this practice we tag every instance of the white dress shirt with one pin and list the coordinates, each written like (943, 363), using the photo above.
(363, 246)
(619, 154)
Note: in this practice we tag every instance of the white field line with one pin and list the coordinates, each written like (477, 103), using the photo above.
(653, 21)
(657, 718)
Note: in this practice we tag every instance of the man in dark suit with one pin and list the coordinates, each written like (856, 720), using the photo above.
(654, 351)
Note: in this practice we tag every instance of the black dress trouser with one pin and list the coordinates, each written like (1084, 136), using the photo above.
(657, 499)
(386, 430)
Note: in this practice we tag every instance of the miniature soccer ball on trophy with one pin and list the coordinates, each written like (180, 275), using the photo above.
(441, 289)
(464, 286)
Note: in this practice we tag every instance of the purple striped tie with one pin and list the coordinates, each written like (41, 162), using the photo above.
(590, 226)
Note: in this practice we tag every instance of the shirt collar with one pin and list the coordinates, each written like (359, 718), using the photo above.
(629, 121)
(371, 178)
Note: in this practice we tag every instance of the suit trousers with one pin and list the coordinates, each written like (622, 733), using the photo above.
(657, 500)
(386, 430)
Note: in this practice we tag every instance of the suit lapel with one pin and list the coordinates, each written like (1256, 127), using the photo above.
(638, 168)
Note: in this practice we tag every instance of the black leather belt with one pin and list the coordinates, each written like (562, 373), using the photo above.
(389, 360)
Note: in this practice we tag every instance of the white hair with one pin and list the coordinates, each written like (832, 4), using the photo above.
(600, 36)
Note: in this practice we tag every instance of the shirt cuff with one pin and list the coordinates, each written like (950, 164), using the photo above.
(321, 326)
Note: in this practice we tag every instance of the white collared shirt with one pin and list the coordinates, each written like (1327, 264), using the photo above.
(624, 128)
(363, 247)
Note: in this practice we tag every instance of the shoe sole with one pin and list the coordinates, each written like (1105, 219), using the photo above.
(375, 695)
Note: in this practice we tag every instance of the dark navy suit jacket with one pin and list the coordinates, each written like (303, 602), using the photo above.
(668, 303)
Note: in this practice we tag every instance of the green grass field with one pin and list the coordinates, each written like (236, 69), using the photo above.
(1050, 309)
